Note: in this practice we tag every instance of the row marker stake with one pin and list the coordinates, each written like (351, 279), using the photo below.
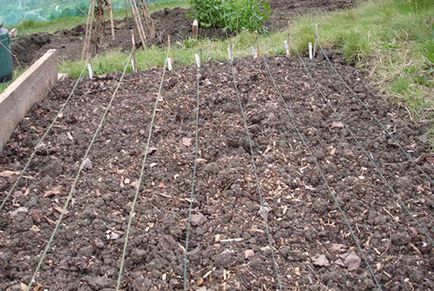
(90, 70)
(310, 51)
(169, 64)
(195, 29)
(133, 59)
(254, 52)
(196, 56)
(169, 58)
(230, 55)
(286, 45)
(257, 45)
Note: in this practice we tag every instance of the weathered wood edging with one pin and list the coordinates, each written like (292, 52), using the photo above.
(32, 86)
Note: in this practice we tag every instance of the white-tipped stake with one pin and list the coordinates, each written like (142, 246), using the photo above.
(90, 71)
(133, 65)
(197, 58)
(230, 55)
(133, 57)
(169, 59)
(254, 52)
(195, 29)
(169, 64)
(286, 45)
(310, 51)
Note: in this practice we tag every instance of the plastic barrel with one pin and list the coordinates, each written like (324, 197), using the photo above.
(6, 63)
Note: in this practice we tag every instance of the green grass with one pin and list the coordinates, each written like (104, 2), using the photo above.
(29, 26)
(3, 86)
(17, 73)
(393, 39)
(182, 53)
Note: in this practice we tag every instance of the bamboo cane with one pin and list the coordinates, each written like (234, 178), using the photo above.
(110, 7)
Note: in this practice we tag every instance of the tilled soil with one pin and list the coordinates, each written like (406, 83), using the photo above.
(174, 22)
(312, 245)
(286, 10)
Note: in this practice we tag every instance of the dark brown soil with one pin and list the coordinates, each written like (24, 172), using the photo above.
(303, 219)
(286, 10)
(175, 22)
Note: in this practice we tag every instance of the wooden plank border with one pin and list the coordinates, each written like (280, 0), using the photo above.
(31, 87)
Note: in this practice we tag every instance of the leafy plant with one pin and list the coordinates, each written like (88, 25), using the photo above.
(208, 12)
(246, 14)
(232, 15)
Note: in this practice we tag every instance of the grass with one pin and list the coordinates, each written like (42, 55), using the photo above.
(182, 53)
(29, 26)
(393, 39)
(17, 73)
(3, 86)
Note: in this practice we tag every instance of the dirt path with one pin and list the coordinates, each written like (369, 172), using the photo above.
(304, 221)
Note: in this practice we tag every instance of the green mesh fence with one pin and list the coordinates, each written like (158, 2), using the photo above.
(15, 11)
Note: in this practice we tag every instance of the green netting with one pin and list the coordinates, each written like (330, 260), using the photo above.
(16, 11)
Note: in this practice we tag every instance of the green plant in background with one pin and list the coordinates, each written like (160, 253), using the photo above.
(232, 15)
(208, 12)
(246, 14)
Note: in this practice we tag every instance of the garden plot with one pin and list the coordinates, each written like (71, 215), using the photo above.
(311, 246)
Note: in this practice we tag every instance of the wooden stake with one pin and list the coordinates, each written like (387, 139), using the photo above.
(286, 45)
(197, 58)
(90, 70)
(148, 20)
(136, 16)
(258, 53)
(89, 26)
(310, 51)
(169, 64)
(133, 58)
(169, 46)
(254, 52)
(288, 52)
(230, 54)
(110, 7)
(195, 29)
(169, 54)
